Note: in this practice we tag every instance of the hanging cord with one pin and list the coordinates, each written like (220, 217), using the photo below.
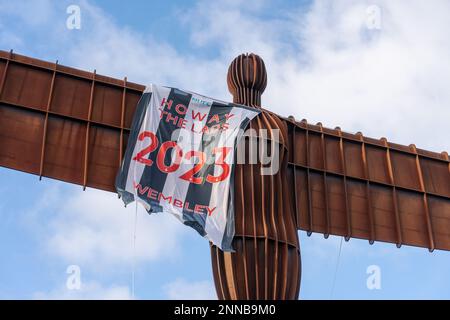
(134, 251)
(336, 270)
(136, 197)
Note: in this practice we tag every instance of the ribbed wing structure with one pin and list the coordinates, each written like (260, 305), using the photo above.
(63, 123)
(354, 186)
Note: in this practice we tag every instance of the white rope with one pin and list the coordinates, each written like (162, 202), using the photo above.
(133, 262)
(136, 197)
(134, 252)
(336, 270)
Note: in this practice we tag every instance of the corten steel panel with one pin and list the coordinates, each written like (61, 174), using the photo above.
(435, 176)
(382, 209)
(440, 220)
(107, 105)
(21, 133)
(103, 159)
(376, 161)
(63, 123)
(131, 101)
(2, 68)
(371, 189)
(64, 152)
(71, 96)
(26, 86)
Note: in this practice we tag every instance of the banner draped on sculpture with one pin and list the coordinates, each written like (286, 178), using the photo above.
(179, 159)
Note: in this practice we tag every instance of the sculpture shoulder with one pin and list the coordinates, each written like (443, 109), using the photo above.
(276, 126)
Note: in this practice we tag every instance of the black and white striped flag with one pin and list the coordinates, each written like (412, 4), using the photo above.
(179, 159)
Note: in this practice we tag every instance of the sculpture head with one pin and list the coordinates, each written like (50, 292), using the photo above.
(247, 79)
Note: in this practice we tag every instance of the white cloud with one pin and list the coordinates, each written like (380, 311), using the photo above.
(34, 13)
(181, 289)
(120, 51)
(323, 63)
(88, 291)
(389, 82)
(93, 229)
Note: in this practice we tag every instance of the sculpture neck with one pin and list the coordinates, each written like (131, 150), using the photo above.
(248, 97)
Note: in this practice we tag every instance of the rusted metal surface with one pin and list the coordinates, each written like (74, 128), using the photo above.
(63, 123)
(73, 125)
(371, 189)
(266, 264)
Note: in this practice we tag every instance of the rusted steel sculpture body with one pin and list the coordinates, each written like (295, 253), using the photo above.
(266, 264)
(73, 125)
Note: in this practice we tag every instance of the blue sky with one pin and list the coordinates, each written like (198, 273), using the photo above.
(325, 63)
